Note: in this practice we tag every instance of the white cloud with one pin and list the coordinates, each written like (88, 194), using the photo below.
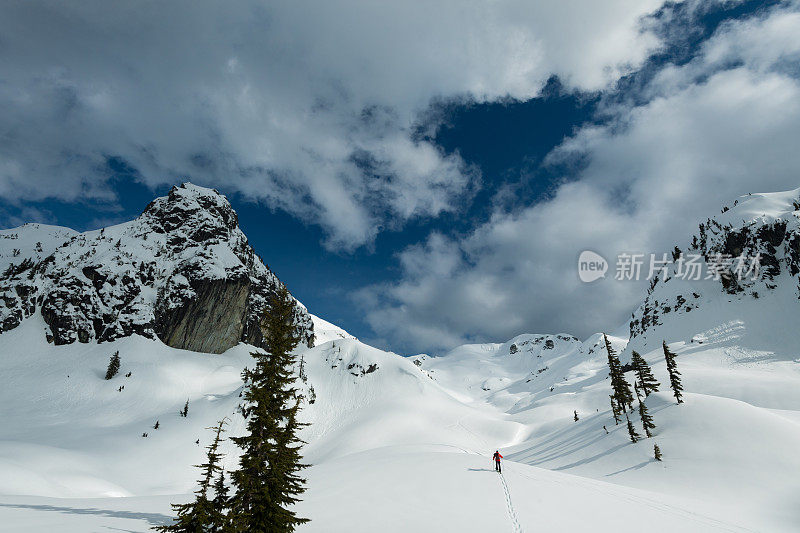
(283, 101)
(713, 130)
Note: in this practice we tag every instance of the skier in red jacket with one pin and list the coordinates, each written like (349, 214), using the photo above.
(497, 458)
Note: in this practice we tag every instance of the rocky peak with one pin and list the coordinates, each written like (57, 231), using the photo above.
(182, 271)
(199, 212)
(766, 226)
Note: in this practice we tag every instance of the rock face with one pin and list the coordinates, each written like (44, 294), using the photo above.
(212, 321)
(182, 271)
(766, 226)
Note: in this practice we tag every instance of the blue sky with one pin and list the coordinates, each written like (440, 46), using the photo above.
(435, 202)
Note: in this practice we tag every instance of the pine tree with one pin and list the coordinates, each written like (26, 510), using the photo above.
(185, 411)
(267, 483)
(201, 514)
(632, 431)
(113, 365)
(644, 374)
(614, 410)
(647, 419)
(674, 375)
(656, 452)
(576, 415)
(156, 425)
(622, 390)
(221, 503)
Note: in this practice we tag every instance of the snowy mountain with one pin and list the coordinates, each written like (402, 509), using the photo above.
(404, 443)
(766, 226)
(182, 271)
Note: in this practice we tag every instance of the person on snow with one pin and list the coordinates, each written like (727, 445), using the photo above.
(497, 458)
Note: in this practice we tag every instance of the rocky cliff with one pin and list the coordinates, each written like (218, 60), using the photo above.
(762, 226)
(182, 271)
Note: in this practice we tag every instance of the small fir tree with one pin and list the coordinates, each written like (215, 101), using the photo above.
(113, 365)
(201, 515)
(622, 390)
(647, 419)
(221, 500)
(220, 505)
(156, 425)
(185, 411)
(656, 452)
(644, 374)
(267, 484)
(674, 375)
(632, 431)
(614, 410)
(576, 415)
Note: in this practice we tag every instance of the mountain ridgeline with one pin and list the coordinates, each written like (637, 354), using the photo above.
(182, 271)
(766, 226)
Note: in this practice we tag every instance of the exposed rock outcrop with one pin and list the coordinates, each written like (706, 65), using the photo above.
(762, 226)
(183, 270)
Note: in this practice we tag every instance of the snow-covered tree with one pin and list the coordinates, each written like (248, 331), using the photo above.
(576, 415)
(656, 452)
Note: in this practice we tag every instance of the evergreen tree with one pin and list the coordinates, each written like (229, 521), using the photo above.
(656, 452)
(576, 415)
(674, 375)
(221, 503)
(622, 390)
(185, 411)
(201, 515)
(614, 410)
(644, 374)
(113, 365)
(267, 483)
(647, 419)
(156, 425)
(632, 431)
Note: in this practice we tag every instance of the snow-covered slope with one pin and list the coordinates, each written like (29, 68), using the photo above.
(31, 241)
(324, 331)
(401, 444)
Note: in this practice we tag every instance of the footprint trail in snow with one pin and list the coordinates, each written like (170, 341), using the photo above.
(512, 514)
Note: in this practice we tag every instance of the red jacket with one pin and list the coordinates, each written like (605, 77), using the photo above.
(497, 456)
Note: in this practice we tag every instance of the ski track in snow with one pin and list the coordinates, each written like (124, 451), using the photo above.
(512, 514)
